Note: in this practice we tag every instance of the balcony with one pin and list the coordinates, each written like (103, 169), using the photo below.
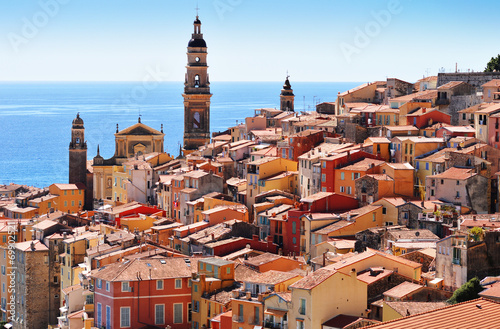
(272, 325)
(238, 318)
(252, 320)
(456, 261)
(302, 310)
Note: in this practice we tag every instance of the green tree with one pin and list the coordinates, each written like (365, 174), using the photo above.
(468, 291)
(476, 233)
(493, 64)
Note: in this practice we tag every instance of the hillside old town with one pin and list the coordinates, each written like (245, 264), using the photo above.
(374, 210)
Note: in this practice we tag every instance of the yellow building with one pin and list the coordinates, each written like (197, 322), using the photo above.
(374, 258)
(310, 223)
(45, 204)
(120, 182)
(365, 93)
(358, 220)
(323, 294)
(75, 251)
(387, 117)
(70, 197)
(139, 223)
(238, 133)
(408, 147)
(381, 147)
(208, 300)
(270, 173)
(389, 209)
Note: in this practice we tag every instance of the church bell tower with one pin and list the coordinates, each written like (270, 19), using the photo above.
(196, 93)
(287, 97)
(77, 153)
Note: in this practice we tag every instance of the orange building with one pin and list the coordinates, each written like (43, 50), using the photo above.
(345, 177)
(71, 196)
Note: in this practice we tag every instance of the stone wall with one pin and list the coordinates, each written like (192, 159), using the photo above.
(458, 103)
(483, 258)
(476, 79)
(367, 239)
(478, 190)
(421, 258)
(32, 289)
(376, 289)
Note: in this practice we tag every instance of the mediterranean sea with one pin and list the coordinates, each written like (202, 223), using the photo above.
(35, 117)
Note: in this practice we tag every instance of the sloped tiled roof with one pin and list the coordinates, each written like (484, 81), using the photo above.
(474, 314)
(158, 269)
(313, 279)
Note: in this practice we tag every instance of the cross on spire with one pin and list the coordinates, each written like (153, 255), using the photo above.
(197, 9)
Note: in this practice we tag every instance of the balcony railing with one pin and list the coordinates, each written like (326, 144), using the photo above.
(238, 318)
(252, 320)
(455, 261)
(272, 325)
(302, 310)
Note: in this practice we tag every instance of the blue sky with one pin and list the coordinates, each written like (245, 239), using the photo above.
(248, 40)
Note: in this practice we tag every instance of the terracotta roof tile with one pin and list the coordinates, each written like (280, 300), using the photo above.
(271, 277)
(455, 173)
(474, 314)
(158, 269)
(410, 308)
(313, 279)
(403, 290)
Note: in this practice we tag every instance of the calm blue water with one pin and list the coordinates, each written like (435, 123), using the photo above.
(35, 118)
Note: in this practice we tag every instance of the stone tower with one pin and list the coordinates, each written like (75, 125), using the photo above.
(196, 93)
(77, 153)
(287, 97)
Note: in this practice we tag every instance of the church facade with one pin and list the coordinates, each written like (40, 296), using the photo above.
(133, 141)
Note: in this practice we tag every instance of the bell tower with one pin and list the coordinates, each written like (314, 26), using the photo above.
(196, 93)
(77, 153)
(287, 97)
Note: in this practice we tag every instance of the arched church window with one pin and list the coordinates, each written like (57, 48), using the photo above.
(197, 81)
(78, 140)
(196, 120)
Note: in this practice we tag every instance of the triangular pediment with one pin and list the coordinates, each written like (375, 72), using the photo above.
(138, 129)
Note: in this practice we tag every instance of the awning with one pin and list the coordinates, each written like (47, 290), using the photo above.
(277, 313)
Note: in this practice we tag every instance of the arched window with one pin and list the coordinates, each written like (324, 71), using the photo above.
(196, 120)
(197, 81)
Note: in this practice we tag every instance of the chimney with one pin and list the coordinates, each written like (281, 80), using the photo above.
(324, 257)
(474, 217)
(249, 295)
(213, 237)
(424, 110)
(32, 246)
(353, 272)
(235, 294)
